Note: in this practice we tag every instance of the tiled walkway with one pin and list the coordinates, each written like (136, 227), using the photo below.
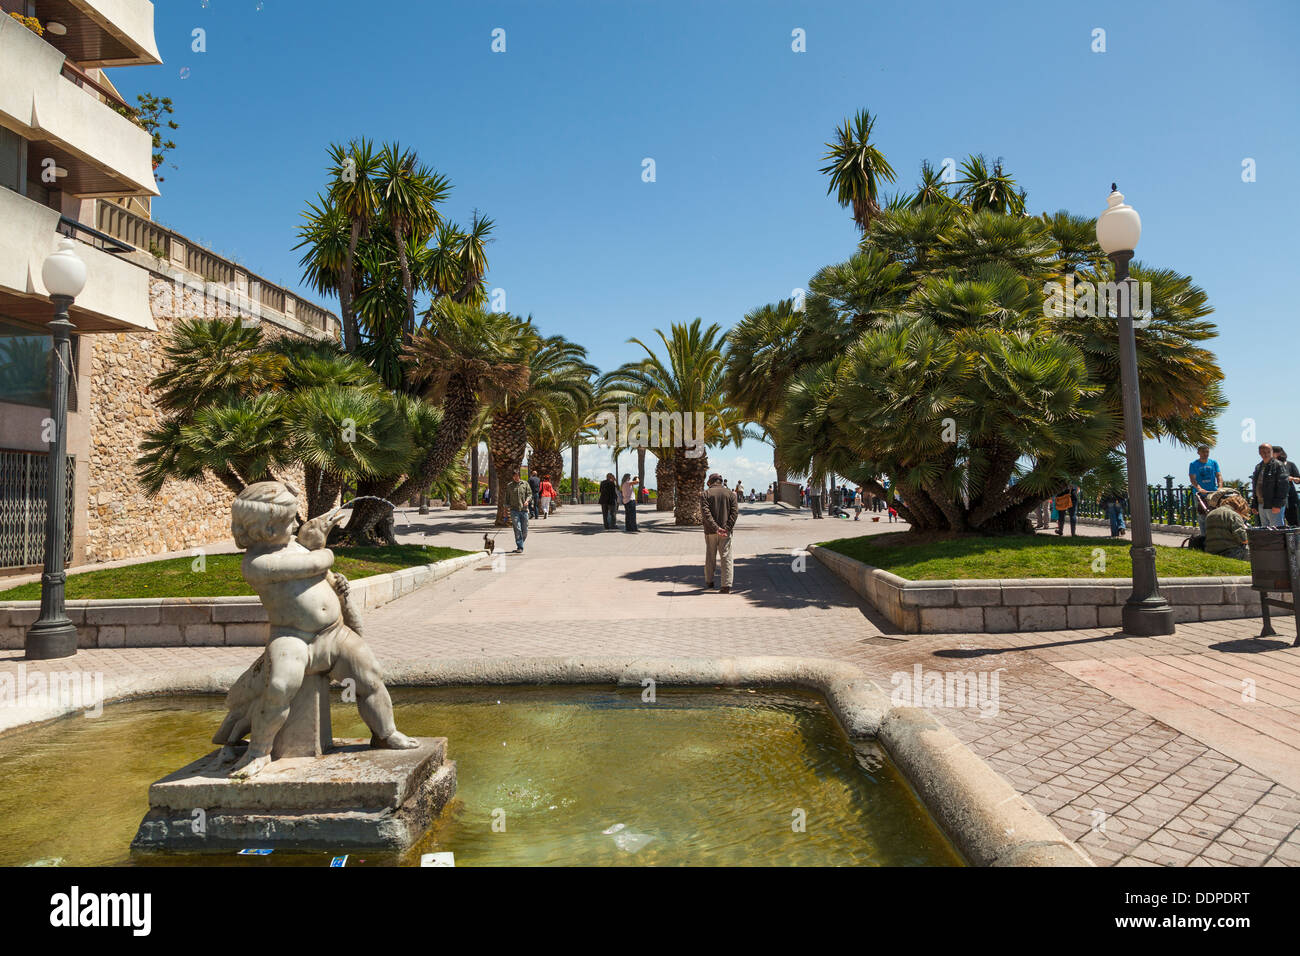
(1171, 751)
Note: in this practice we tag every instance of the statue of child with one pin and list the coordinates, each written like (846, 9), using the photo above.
(308, 634)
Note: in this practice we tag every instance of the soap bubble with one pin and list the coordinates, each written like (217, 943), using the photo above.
(185, 73)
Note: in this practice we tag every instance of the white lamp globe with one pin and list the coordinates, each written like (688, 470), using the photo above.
(1119, 227)
(63, 272)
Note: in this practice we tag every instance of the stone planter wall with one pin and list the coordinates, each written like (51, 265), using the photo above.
(1029, 604)
(203, 622)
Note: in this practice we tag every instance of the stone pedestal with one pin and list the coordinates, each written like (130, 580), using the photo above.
(307, 731)
(351, 797)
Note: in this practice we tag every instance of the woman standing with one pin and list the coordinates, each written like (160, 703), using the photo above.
(627, 491)
(548, 496)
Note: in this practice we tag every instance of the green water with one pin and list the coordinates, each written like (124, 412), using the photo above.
(713, 777)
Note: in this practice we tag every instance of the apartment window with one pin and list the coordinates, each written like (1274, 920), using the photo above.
(13, 170)
(25, 369)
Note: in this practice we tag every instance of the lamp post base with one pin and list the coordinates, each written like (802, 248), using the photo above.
(1152, 617)
(51, 640)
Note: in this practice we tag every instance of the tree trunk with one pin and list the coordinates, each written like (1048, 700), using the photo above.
(473, 475)
(689, 474)
(322, 490)
(573, 473)
(779, 464)
(408, 324)
(459, 408)
(347, 300)
(665, 483)
(507, 444)
(640, 474)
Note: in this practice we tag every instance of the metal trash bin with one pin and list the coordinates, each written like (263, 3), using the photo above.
(1275, 566)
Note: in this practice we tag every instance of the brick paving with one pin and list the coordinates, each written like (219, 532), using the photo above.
(1177, 751)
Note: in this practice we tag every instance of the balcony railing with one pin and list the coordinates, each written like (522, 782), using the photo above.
(105, 95)
(168, 247)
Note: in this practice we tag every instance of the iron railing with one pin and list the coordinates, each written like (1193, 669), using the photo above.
(1170, 504)
(24, 477)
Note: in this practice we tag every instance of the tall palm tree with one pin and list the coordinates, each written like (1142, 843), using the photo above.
(856, 168)
(688, 380)
(409, 194)
(559, 380)
(931, 190)
(354, 192)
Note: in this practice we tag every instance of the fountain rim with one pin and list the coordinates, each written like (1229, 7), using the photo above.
(988, 821)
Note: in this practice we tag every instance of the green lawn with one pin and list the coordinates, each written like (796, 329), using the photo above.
(1027, 556)
(177, 578)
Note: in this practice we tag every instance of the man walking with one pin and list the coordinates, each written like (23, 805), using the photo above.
(609, 501)
(518, 497)
(815, 501)
(718, 510)
(535, 492)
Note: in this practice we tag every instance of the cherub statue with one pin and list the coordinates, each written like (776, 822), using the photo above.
(310, 630)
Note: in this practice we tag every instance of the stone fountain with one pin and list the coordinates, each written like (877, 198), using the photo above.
(291, 783)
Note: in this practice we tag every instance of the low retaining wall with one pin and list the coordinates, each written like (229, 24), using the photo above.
(203, 621)
(1029, 604)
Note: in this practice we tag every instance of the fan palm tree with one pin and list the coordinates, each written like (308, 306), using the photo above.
(689, 380)
(559, 380)
(856, 168)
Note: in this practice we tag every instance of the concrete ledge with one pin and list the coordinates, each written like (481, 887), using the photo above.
(232, 621)
(987, 820)
(1028, 604)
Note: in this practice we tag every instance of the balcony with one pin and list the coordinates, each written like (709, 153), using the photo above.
(65, 119)
(116, 296)
(100, 33)
(169, 254)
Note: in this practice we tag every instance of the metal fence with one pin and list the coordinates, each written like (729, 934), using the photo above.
(1170, 505)
(23, 479)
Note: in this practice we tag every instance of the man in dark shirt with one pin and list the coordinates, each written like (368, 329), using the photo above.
(1270, 482)
(718, 511)
(609, 502)
(535, 486)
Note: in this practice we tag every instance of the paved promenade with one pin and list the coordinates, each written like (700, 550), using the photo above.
(1172, 751)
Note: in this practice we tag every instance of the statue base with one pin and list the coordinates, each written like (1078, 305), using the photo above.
(351, 797)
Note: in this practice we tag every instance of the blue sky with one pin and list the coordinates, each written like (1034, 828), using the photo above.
(548, 139)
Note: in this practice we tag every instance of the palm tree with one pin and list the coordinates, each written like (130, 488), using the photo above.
(983, 190)
(856, 168)
(689, 381)
(559, 379)
(409, 193)
(932, 190)
(763, 351)
(354, 193)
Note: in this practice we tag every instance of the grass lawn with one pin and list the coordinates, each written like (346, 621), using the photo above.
(953, 557)
(176, 577)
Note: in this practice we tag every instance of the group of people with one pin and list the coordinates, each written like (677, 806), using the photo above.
(613, 494)
(842, 497)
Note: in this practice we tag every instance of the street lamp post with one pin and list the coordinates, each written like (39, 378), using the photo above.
(53, 635)
(1146, 613)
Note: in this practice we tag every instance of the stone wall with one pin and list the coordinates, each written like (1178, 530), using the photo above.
(1029, 604)
(122, 522)
(205, 622)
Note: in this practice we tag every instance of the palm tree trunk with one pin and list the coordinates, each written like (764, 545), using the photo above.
(408, 325)
(322, 490)
(473, 475)
(347, 298)
(665, 483)
(507, 444)
(459, 408)
(688, 474)
(573, 473)
(640, 473)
